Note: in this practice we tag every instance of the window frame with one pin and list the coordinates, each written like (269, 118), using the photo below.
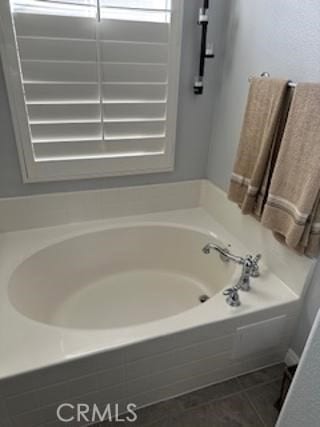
(70, 169)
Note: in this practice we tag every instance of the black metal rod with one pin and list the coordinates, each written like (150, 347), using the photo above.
(203, 48)
(198, 86)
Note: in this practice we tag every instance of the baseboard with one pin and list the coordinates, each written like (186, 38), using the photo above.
(291, 358)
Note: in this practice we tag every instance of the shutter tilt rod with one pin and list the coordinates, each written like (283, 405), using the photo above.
(205, 51)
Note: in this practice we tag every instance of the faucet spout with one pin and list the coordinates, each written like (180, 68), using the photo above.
(250, 264)
(225, 254)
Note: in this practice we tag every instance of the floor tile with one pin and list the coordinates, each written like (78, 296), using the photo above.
(151, 414)
(263, 399)
(158, 412)
(208, 394)
(263, 376)
(241, 402)
(233, 411)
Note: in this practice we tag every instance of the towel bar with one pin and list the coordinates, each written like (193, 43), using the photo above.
(266, 74)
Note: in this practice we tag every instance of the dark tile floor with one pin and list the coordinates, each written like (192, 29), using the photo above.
(246, 401)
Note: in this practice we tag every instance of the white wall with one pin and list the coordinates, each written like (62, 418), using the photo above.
(302, 405)
(193, 127)
(283, 38)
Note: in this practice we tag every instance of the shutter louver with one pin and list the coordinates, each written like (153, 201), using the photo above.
(95, 76)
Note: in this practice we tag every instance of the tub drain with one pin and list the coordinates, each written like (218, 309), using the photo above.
(203, 298)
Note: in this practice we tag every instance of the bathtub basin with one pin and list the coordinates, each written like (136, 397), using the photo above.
(118, 277)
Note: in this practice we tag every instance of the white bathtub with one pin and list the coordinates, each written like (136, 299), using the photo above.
(123, 295)
(119, 277)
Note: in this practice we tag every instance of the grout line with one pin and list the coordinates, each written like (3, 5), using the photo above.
(214, 399)
(257, 371)
(201, 404)
(254, 409)
(260, 385)
(174, 367)
(183, 347)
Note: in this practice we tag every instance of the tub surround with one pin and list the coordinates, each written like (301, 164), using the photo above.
(47, 210)
(42, 211)
(42, 365)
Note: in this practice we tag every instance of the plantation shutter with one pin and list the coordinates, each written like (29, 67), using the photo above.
(96, 82)
(58, 57)
(134, 56)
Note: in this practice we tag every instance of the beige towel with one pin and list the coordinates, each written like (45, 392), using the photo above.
(292, 209)
(264, 118)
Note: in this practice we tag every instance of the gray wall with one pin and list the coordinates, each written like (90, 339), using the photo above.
(193, 130)
(283, 38)
(310, 308)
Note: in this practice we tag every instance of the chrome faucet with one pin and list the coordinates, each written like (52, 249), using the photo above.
(250, 268)
(232, 295)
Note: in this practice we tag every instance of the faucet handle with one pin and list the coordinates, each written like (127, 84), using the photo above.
(255, 270)
(232, 297)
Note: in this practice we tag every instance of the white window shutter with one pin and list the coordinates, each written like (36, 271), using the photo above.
(100, 83)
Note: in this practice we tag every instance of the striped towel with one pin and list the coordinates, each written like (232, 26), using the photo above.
(264, 120)
(292, 209)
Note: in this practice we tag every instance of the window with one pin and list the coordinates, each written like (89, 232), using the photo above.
(93, 85)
